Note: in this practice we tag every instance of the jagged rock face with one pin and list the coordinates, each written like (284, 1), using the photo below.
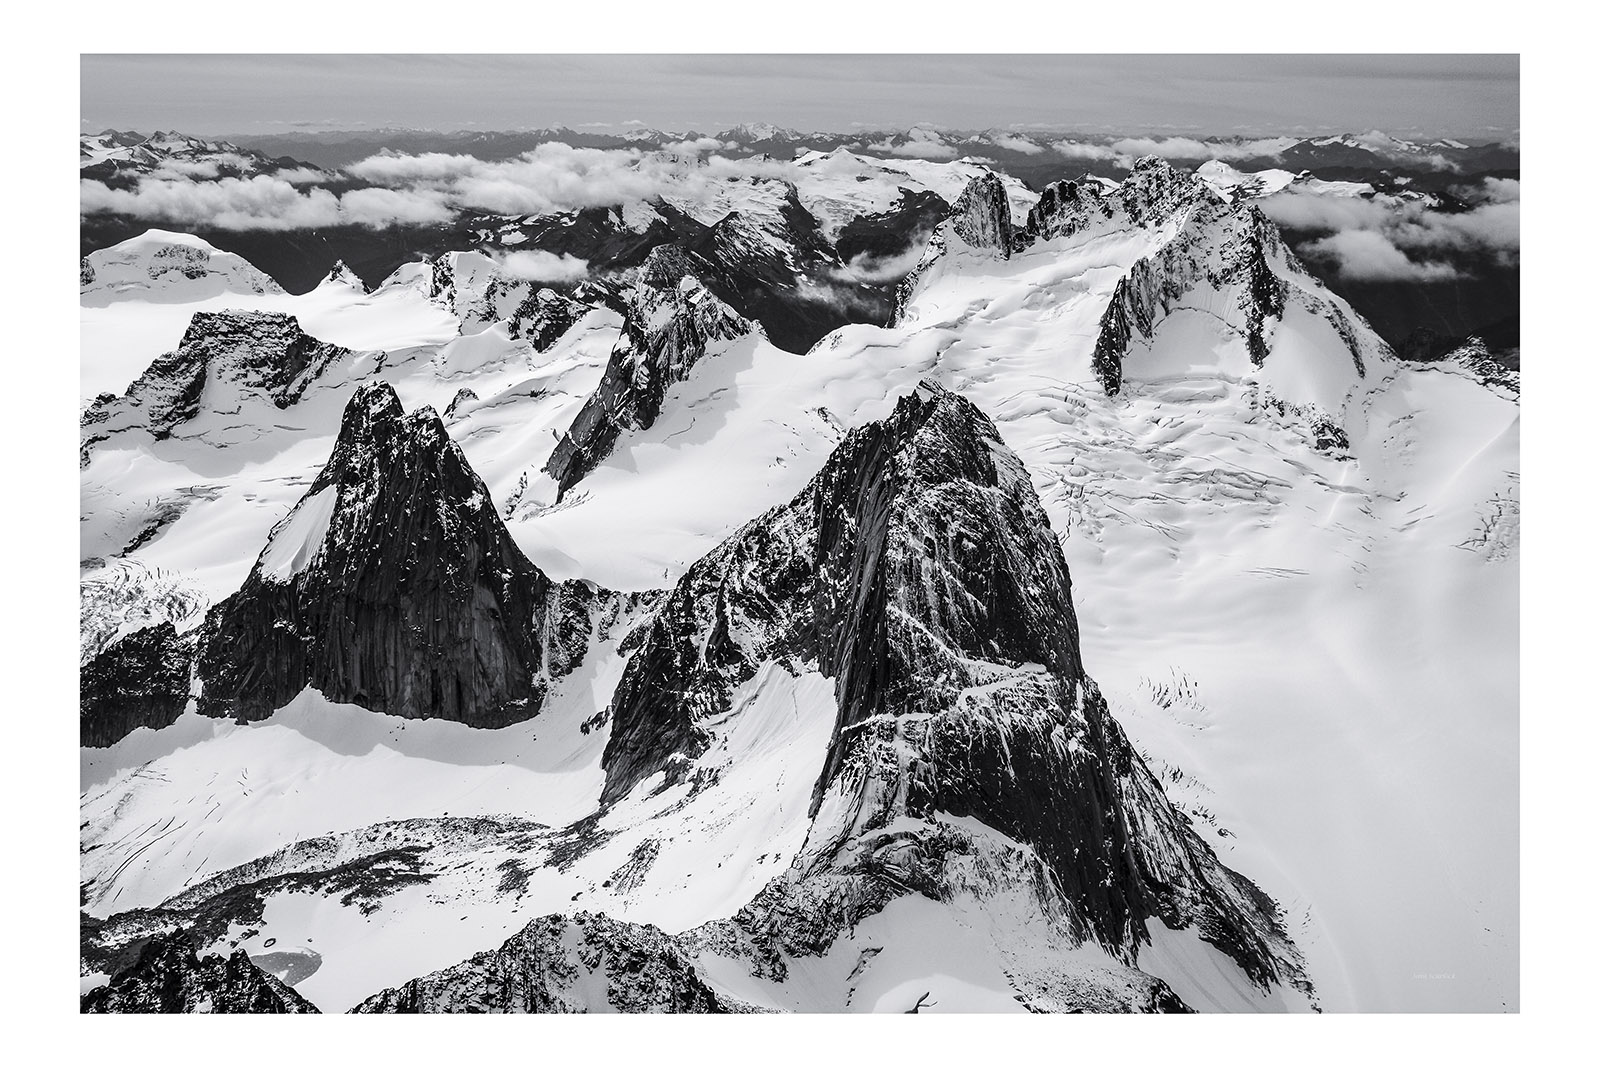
(1230, 247)
(1154, 192)
(225, 357)
(586, 963)
(919, 572)
(671, 321)
(982, 214)
(932, 550)
(472, 286)
(463, 396)
(1139, 296)
(779, 269)
(748, 601)
(907, 289)
(543, 317)
(1264, 295)
(170, 979)
(1064, 208)
(392, 585)
(343, 275)
(141, 680)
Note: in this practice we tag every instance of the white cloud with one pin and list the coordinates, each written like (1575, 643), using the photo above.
(1502, 190)
(1016, 144)
(920, 143)
(915, 149)
(1393, 238)
(1366, 255)
(558, 177)
(1494, 225)
(377, 208)
(868, 269)
(539, 266)
(433, 187)
(301, 176)
(262, 202)
(1191, 148)
(1084, 150)
(1301, 210)
(698, 145)
(390, 168)
(257, 203)
(179, 169)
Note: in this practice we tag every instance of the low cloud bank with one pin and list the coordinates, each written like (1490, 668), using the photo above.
(432, 187)
(865, 268)
(536, 265)
(1391, 239)
(920, 144)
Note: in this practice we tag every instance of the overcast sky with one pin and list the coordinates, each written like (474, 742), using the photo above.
(1457, 96)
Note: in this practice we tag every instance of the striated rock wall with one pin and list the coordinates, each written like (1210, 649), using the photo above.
(410, 600)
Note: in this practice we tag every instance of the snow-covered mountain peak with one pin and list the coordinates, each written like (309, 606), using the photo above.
(1233, 183)
(758, 132)
(226, 360)
(341, 274)
(166, 267)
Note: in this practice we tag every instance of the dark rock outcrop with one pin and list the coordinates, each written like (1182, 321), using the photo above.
(393, 585)
(1263, 293)
(463, 396)
(1066, 207)
(1155, 192)
(981, 215)
(1231, 247)
(543, 317)
(141, 680)
(242, 354)
(169, 978)
(671, 320)
(342, 273)
(557, 964)
(919, 572)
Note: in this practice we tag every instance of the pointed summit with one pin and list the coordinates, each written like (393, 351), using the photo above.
(982, 214)
(341, 274)
(392, 584)
(919, 572)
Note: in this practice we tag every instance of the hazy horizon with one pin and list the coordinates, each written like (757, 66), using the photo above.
(1463, 96)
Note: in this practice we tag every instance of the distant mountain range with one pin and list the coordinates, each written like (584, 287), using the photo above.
(1032, 155)
(1423, 318)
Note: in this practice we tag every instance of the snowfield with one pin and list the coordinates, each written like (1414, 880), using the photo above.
(1316, 648)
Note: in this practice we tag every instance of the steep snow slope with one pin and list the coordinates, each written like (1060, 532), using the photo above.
(1314, 640)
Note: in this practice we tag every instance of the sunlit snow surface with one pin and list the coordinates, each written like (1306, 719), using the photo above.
(1317, 651)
